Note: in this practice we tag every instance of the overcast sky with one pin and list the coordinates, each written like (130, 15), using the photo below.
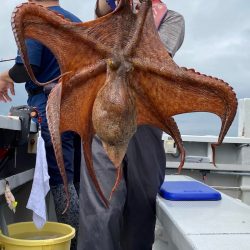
(217, 43)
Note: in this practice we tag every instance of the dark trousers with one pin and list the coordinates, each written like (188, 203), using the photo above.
(144, 174)
(100, 227)
(129, 222)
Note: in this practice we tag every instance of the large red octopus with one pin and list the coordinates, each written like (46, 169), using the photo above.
(116, 75)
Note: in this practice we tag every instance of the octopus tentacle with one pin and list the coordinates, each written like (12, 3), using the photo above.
(78, 121)
(176, 135)
(89, 163)
(130, 47)
(19, 26)
(210, 95)
(167, 124)
(117, 181)
(223, 88)
(119, 40)
(53, 116)
(37, 22)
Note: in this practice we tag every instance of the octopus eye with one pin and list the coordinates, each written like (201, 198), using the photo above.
(112, 64)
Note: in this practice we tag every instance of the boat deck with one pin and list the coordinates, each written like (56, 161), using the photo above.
(203, 225)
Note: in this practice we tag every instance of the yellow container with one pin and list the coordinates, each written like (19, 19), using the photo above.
(25, 236)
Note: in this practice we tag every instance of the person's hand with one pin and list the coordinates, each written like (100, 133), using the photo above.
(6, 85)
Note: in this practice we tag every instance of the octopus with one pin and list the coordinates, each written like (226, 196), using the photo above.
(116, 74)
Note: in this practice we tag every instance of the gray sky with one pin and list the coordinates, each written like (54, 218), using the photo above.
(217, 43)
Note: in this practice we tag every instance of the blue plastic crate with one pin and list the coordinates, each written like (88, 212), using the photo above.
(188, 191)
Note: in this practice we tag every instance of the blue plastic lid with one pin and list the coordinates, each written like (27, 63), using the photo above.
(188, 191)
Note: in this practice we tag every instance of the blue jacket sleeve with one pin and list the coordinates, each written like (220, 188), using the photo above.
(34, 49)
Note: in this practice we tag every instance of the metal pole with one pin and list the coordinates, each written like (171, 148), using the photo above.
(7, 60)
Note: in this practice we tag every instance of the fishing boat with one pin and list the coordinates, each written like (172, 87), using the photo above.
(182, 224)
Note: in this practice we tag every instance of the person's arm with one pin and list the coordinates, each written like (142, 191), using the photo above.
(103, 7)
(6, 85)
(172, 31)
(16, 74)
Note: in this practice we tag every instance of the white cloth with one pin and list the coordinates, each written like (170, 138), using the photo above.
(40, 186)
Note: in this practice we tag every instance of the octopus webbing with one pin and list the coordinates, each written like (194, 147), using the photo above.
(116, 75)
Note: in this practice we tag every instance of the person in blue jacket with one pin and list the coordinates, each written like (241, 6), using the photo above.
(45, 68)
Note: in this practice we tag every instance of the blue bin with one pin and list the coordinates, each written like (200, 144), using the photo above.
(188, 191)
